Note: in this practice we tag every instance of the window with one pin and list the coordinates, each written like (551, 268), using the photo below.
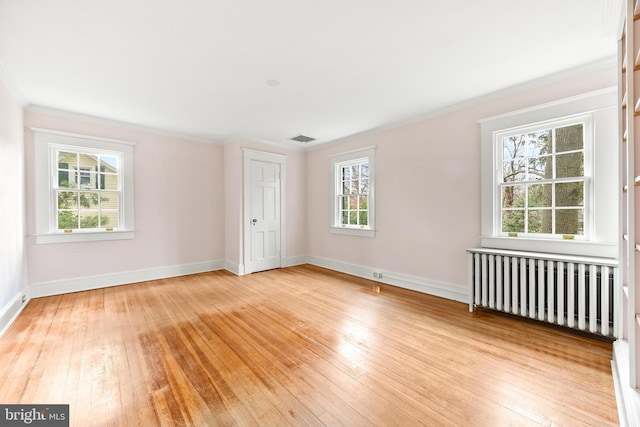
(541, 181)
(93, 201)
(84, 188)
(353, 195)
(549, 177)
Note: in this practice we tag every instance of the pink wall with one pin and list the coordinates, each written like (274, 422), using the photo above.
(13, 278)
(427, 188)
(179, 206)
(188, 195)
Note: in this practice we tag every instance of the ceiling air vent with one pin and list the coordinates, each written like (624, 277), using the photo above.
(302, 138)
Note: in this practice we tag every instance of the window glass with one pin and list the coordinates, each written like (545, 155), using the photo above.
(77, 208)
(542, 183)
(353, 198)
(352, 194)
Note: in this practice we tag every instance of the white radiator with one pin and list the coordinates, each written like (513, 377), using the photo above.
(576, 292)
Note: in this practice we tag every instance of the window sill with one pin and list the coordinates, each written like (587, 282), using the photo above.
(567, 247)
(83, 237)
(363, 232)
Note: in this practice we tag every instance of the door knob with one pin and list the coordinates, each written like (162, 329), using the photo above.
(254, 221)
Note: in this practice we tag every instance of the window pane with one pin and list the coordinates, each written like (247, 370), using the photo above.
(540, 168)
(363, 202)
(68, 159)
(539, 143)
(108, 200)
(108, 182)
(344, 204)
(346, 173)
(355, 171)
(110, 219)
(569, 138)
(67, 179)
(513, 147)
(346, 187)
(88, 179)
(364, 171)
(534, 221)
(108, 164)
(570, 221)
(67, 200)
(67, 220)
(570, 194)
(354, 187)
(353, 218)
(364, 186)
(513, 196)
(88, 161)
(364, 220)
(345, 218)
(89, 200)
(514, 170)
(539, 195)
(89, 219)
(513, 221)
(570, 165)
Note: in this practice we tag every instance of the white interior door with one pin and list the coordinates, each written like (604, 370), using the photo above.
(264, 213)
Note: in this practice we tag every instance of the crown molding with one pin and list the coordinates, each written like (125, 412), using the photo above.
(602, 64)
(39, 109)
(608, 62)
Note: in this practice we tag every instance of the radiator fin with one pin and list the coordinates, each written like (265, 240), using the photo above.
(577, 295)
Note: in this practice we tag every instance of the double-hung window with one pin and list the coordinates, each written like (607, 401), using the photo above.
(87, 193)
(84, 188)
(549, 177)
(353, 176)
(542, 179)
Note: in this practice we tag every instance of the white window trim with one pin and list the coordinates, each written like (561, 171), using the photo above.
(44, 140)
(335, 228)
(602, 232)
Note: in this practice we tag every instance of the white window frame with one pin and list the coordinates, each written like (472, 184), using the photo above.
(47, 142)
(601, 179)
(586, 120)
(364, 154)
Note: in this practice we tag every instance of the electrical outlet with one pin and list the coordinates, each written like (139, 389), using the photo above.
(377, 275)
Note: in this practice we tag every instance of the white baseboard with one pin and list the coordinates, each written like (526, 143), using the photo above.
(456, 293)
(78, 284)
(239, 269)
(292, 261)
(628, 398)
(11, 310)
(235, 268)
(57, 287)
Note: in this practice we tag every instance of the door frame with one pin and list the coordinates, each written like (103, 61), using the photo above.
(250, 155)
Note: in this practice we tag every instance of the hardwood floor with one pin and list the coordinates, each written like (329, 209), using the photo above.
(297, 346)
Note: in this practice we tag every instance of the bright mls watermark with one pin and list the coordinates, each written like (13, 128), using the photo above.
(34, 415)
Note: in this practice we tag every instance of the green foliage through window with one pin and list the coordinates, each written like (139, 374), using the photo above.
(87, 195)
(354, 193)
(542, 184)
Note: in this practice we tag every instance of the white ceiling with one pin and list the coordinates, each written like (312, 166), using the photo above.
(202, 68)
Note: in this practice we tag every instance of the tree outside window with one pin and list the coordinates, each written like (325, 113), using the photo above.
(543, 181)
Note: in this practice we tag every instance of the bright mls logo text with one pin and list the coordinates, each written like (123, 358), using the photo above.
(38, 415)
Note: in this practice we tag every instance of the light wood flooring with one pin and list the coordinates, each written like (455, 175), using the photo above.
(297, 346)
